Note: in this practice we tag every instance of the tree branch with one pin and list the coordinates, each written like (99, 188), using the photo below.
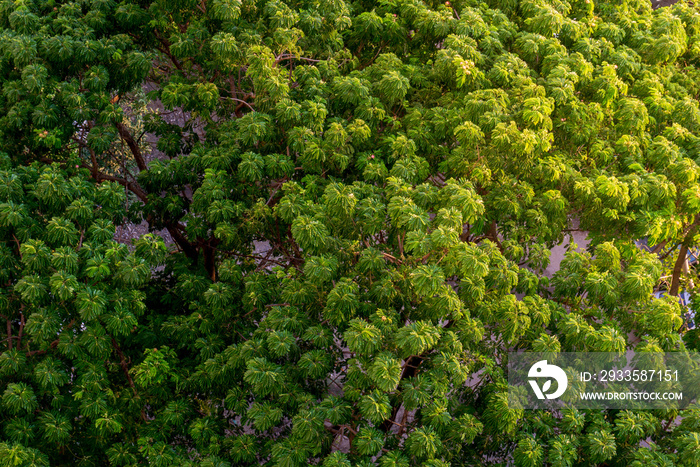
(135, 189)
(133, 146)
(166, 50)
(124, 366)
(678, 269)
(9, 334)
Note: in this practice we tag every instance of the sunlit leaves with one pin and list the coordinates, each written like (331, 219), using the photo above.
(363, 337)
(385, 371)
(320, 269)
(600, 446)
(528, 453)
(368, 441)
(352, 91)
(154, 370)
(427, 280)
(133, 271)
(98, 267)
(423, 443)
(342, 302)
(310, 233)
(226, 10)
(254, 127)
(663, 316)
(339, 199)
(393, 86)
(375, 407)
(35, 255)
(281, 343)
(101, 230)
(416, 338)
(325, 265)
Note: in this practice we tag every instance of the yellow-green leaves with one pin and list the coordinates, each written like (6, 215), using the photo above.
(342, 302)
(351, 90)
(226, 10)
(32, 289)
(315, 364)
(35, 255)
(362, 337)
(423, 443)
(393, 87)
(63, 285)
(663, 317)
(427, 280)
(513, 317)
(385, 372)
(528, 453)
(368, 441)
(311, 234)
(416, 338)
(320, 269)
(405, 213)
(251, 167)
(91, 303)
(61, 232)
(19, 398)
(339, 200)
(375, 407)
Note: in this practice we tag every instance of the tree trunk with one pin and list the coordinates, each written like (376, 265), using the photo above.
(678, 268)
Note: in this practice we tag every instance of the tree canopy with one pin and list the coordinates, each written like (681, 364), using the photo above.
(410, 165)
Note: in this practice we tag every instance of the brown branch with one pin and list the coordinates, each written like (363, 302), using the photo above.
(133, 146)
(409, 369)
(493, 235)
(659, 247)
(187, 247)
(209, 251)
(281, 57)
(9, 334)
(670, 250)
(454, 10)
(258, 258)
(166, 50)
(22, 323)
(19, 251)
(134, 188)
(688, 234)
(52, 345)
(403, 422)
(95, 168)
(124, 366)
(678, 269)
(392, 258)
(242, 103)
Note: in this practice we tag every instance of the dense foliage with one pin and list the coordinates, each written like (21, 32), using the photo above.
(410, 164)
